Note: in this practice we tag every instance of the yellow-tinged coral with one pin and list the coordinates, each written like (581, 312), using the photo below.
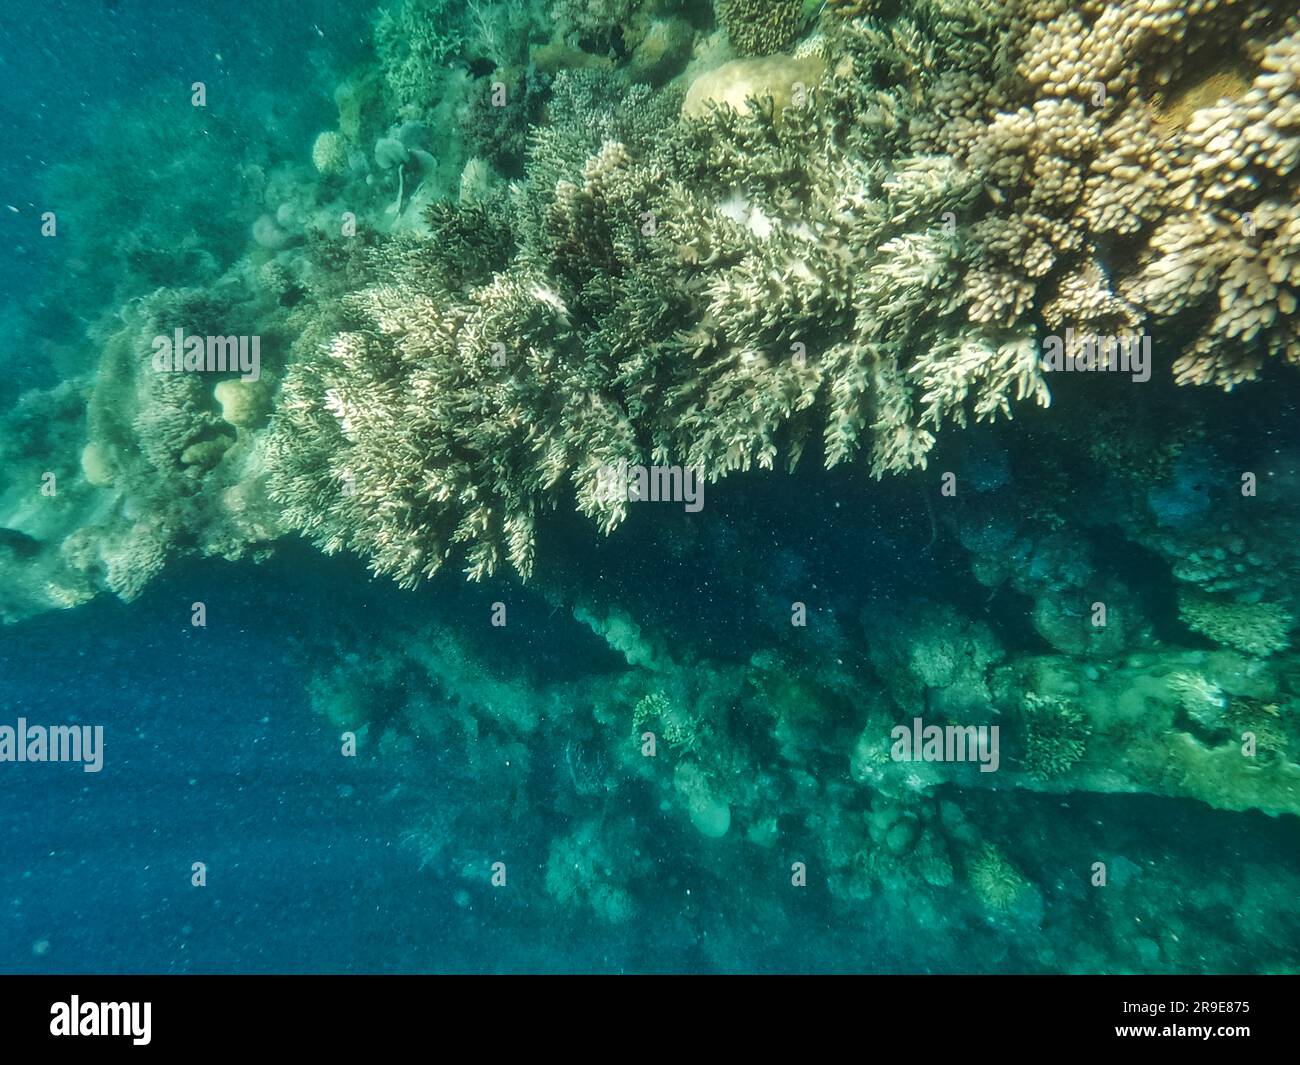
(1232, 251)
(1119, 136)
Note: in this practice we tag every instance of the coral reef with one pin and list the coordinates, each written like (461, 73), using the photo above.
(652, 252)
(848, 250)
(986, 230)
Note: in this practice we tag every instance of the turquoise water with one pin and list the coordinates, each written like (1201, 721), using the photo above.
(664, 505)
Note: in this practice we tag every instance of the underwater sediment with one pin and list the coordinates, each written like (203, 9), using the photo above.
(951, 347)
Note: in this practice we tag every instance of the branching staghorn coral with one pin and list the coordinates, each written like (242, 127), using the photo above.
(415, 40)
(591, 324)
(761, 27)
